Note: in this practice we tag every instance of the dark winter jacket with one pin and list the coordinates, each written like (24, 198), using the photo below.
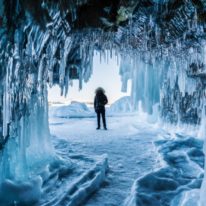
(100, 101)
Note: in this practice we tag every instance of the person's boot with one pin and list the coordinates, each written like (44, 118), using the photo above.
(105, 128)
(97, 128)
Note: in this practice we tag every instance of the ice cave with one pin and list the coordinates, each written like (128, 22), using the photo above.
(153, 153)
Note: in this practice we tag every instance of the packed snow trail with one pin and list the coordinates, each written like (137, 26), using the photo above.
(128, 144)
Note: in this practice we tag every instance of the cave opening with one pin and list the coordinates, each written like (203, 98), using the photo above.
(161, 50)
(102, 71)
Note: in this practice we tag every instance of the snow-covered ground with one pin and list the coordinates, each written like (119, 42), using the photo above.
(73, 110)
(139, 163)
(128, 145)
(133, 163)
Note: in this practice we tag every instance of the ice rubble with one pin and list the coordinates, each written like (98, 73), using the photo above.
(171, 74)
(85, 185)
(171, 185)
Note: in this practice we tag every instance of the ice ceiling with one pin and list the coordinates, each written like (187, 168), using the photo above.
(161, 45)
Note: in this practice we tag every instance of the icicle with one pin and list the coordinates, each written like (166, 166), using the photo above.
(195, 20)
(100, 57)
(7, 98)
(41, 68)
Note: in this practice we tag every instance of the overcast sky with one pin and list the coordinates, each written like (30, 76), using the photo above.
(105, 75)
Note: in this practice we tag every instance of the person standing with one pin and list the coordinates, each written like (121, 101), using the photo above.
(100, 101)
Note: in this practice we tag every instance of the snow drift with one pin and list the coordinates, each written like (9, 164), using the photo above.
(122, 105)
(73, 110)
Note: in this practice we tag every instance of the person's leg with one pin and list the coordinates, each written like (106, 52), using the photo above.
(98, 120)
(104, 119)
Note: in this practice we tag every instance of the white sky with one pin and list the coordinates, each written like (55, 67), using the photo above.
(105, 75)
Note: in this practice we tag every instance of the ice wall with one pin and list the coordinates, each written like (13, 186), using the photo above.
(24, 112)
(175, 83)
(31, 58)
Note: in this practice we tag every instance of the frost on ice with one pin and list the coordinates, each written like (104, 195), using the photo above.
(163, 55)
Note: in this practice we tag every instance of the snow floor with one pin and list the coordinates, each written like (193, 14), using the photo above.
(133, 163)
(128, 144)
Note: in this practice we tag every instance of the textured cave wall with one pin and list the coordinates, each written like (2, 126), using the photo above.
(183, 107)
(32, 55)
